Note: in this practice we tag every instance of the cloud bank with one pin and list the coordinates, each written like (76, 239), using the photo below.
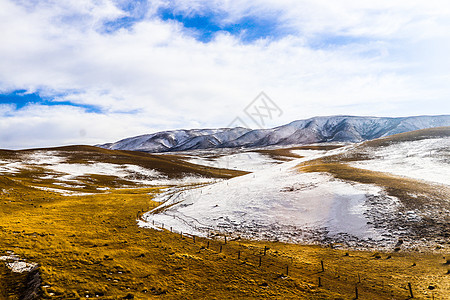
(158, 65)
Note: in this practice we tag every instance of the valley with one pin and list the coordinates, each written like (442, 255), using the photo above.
(238, 223)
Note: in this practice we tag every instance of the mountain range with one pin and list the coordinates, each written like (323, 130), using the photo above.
(314, 130)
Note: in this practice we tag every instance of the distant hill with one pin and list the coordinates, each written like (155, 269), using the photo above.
(313, 130)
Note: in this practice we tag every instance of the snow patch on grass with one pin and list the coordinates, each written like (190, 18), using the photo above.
(43, 158)
(15, 264)
(62, 192)
(10, 167)
(427, 159)
(66, 174)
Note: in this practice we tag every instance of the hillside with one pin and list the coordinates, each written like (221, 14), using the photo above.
(314, 130)
(75, 170)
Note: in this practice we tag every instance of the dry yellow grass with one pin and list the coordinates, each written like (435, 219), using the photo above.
(91, 245)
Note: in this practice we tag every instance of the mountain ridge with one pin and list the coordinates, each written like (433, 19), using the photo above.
(340, 128)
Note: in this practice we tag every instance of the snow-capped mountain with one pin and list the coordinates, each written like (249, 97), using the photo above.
(313, 130)
(178, 140)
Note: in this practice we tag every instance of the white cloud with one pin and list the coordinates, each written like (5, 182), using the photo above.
(386, 58)
(37, 125)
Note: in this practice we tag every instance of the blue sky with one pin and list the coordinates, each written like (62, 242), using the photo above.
(22, 98)
(135, 12)
(118, 68)
(206, 24)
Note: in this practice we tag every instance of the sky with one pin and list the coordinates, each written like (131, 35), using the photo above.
(96, 71)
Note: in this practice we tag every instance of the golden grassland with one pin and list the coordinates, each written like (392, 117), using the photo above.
(91, 246)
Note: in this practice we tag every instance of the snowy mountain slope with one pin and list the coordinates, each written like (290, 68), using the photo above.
(314, 130)
(178, 140)
(282, 202)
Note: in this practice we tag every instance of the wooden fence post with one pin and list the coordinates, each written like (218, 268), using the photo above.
(287, 270)
(320, 282)
(259, 262)
(356, 292)
(410, 290)
(321, 263)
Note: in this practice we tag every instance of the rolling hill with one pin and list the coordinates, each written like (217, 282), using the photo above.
(86, 169)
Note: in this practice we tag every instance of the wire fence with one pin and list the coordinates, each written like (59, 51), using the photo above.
(322, 275)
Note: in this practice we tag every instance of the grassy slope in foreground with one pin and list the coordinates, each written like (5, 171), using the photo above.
(91, 246)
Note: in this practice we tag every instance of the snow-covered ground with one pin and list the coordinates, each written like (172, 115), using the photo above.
(10, 166)
(277, 203)
(43, 158)
(299, 204)
(307, 153)
(66, 175)
(427, 159)
(123, 171)
(16, 264)
(247, 161)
